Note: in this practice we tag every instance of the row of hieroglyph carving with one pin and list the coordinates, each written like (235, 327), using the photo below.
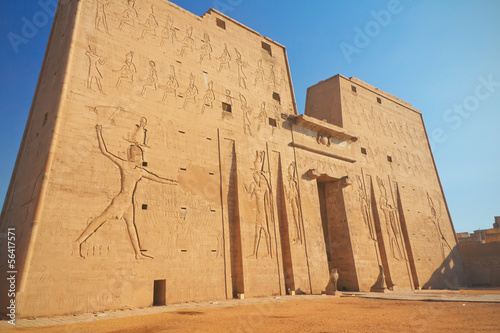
(405, 163)
(275, 78)
(171, 89)
(379, 125)
(128, 72)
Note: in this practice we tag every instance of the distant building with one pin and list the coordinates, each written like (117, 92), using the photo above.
(481, 236)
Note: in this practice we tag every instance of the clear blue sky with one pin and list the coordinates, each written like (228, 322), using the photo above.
(434, 54)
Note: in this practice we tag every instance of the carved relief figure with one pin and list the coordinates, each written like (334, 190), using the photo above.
(247, 112)
(283, 79)
(224, 59)
(206, 48)
(258, 163)
(260, 190)
(391, 221)
(366, 208)
(241, 74)
(191, 92)
(129, 15)
(292, 196)
(272, 77)
(277, 115)
(127, 71)
(139, 130)
(229, 99)
(171, 86)
(150, 25)
(209, 98)
(100, 16)
(187, 42)
(168, 32)
(152, 79)
(94, 73)
(262, 117)
(122, 205)
(259, 73)
(436, 216)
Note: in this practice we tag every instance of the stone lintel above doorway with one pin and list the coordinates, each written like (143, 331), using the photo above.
(325, 177)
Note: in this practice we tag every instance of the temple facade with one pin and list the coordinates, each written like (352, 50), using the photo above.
(164, 161)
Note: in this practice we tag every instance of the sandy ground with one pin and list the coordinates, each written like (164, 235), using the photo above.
(340, 314)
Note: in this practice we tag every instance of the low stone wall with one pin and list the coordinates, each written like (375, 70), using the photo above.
(482, 262)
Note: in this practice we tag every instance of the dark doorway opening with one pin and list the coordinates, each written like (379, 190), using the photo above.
(160, 293)
(336, 232)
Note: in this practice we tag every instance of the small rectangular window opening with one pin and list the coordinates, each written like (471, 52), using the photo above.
(267, 47)
(277, 97)
(363, 151)
(353, 88)
(144, 207)
(273, 122)
(379, 101)
(226, 107)
(220, 23)
(389, 158)
(144, 164)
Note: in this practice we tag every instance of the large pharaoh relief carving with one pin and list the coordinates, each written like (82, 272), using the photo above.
(365, 201)
(436, 213)
(259, 189)
(390, 216)
(292, 197)
(132, 171)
